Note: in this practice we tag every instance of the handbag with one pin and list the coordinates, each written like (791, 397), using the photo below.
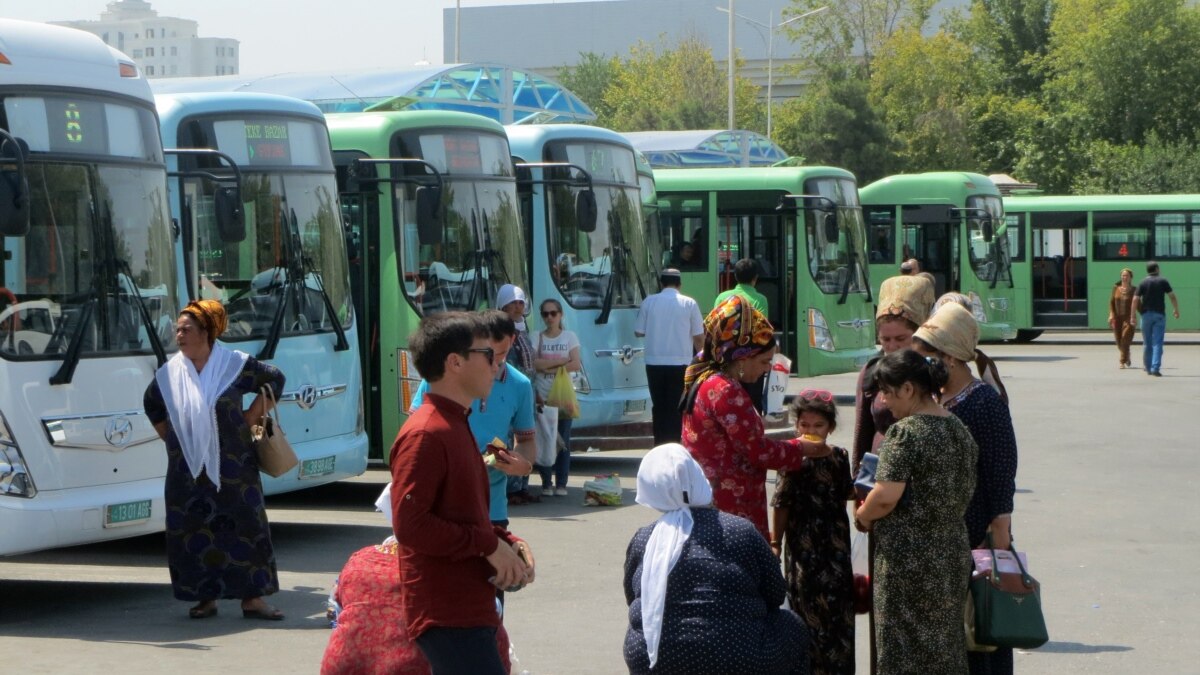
(546, 435)
(1008, 605)
(275, 454)
(864, 482)
(562, 395)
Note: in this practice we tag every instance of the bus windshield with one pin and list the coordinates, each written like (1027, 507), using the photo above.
(614, 260)
(837, 265)
(98, 249)
(991, 260)
(480, 245)
(293, 231)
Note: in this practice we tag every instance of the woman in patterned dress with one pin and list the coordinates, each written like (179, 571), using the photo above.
(922, 556)
(950, 335)
(721, 428)
(218, 539)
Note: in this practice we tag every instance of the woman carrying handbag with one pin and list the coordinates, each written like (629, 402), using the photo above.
(556, 349)
(217, 535)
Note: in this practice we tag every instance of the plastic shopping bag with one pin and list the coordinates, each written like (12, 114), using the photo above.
(861, 564)
(547, 435)
(562, 395)
(777, 382)
(602, 491)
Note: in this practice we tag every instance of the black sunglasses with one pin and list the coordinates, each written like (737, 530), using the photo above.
(549, 313)
(486, 351)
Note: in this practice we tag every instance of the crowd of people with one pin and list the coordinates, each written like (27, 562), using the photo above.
(713, 585)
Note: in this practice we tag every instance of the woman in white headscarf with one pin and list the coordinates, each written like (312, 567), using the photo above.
(217, 535)
(703, 587)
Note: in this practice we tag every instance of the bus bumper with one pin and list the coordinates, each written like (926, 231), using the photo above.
(613, 406)
(831, 363)
(322, 461)
(995, 332)
(58, 518)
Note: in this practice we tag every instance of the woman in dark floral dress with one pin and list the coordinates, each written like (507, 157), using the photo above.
(811, 526)
(922, 558)
(218, 539)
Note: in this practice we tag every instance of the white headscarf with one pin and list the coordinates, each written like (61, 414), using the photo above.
(191, 400)
(668, 480)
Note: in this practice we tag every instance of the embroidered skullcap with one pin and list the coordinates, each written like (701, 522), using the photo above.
(909, 297)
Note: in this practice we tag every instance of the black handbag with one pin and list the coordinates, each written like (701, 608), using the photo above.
(1008, 606)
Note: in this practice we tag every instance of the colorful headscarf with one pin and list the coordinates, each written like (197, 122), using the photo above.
(211, 316)
(909, 297)
(952, 331)
(733, 330)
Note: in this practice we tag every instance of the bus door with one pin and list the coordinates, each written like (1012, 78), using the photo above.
(930, 234)
(765, 238)
(1059, 247)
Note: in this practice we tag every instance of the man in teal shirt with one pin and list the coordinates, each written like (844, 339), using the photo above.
(745, 271)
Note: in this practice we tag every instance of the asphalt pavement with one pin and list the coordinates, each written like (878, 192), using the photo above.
(1105, 510)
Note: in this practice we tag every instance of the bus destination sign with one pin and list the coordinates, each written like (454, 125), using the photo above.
(267, 143)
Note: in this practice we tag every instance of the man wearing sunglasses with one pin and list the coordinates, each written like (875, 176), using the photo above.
(670, 321)
(452, 559)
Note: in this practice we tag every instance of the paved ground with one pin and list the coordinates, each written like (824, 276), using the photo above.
(1106, 510)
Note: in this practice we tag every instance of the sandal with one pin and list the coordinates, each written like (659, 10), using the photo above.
(203, 610)
(267, 613)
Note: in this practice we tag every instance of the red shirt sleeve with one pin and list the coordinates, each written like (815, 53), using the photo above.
(742, 424)
(419, 468)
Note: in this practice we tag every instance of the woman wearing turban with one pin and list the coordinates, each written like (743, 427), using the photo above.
(951, 335)
(983, 363)
(721, 427)
(218, 539)
(703, 588)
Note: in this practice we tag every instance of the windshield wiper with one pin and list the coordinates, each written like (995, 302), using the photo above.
(71, 359)
(618, 258)
(268, 349)
(151, 332)
(341, 344)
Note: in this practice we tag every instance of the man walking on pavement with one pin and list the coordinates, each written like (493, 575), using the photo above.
(670, 321)
(452, 559)
(1149, 299)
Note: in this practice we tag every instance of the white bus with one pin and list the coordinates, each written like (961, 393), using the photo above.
(88, 291)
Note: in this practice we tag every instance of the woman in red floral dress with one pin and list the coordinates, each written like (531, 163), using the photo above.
(721, 428)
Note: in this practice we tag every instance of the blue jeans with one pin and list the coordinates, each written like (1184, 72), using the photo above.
(1154, 331)
(517, 484)
(451, 651)
(562, 461)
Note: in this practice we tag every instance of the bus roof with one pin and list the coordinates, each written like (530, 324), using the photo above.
(174, 108)
(371, 132)
(527, 139)
(936, 187)
(39, 54)
(789, 178)
(1175, 202)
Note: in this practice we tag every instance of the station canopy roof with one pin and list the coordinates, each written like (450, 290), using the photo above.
(705, 148)
(502, 93)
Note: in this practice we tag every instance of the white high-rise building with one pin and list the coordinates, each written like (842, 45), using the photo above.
(161, 46)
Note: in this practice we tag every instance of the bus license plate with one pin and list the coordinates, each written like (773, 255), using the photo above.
(322, 466)
(129, 513)
(635, 406)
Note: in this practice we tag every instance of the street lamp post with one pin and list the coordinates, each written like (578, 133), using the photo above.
(457, 27)
(770, 28)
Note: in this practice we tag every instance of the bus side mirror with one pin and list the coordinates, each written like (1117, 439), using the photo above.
(988, 230)
(429, 222)
(585, 210)
(831, 226)
(231, 221)
(14, 190)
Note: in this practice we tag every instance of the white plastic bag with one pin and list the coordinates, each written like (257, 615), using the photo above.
(547, 436)
(777, 382)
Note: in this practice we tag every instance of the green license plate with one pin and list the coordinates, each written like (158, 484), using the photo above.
(128, 513)
(311, 468)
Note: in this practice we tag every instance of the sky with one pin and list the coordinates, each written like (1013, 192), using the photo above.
(286, 35)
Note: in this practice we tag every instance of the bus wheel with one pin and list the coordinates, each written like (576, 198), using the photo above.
(1024, 336)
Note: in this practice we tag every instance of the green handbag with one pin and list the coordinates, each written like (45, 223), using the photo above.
(1008, 606)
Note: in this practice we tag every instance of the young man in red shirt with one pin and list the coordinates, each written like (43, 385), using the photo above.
(452, 559)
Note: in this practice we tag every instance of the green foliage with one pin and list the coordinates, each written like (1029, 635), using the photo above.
(589, 79)
(1012, 37)
(851, 33)
(1157, 167)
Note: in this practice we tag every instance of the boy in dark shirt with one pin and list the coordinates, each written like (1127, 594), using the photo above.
(1149, 300)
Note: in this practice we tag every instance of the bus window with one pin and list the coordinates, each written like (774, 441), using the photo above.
(1121, 236)
(989, 259)
(1174, 237)
(832, 262)
(1015, 232)
(678, 216)
(881, 220)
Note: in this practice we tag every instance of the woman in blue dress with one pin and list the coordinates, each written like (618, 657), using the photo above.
(217, 535)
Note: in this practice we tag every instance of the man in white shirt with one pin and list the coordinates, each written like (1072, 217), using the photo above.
(670, 321)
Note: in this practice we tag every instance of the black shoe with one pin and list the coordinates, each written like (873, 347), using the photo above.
(1156, 374)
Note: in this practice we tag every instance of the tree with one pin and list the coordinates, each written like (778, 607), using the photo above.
(854, 32)
(589, 79)
(1012, 38)
(1157, 167)
(834, 123)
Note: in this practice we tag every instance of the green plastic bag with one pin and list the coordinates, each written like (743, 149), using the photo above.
(562, 395)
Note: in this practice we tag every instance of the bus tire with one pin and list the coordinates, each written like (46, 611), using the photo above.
(1025, 335)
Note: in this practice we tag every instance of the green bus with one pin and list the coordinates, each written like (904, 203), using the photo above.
(1077, 246)
(804, 227)
(430, 204)
(953, 224)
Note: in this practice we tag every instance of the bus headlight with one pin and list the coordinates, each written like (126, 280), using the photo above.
(998, 304)
(15, 480)
(819, 336)
(977, 307)
(581, 383)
